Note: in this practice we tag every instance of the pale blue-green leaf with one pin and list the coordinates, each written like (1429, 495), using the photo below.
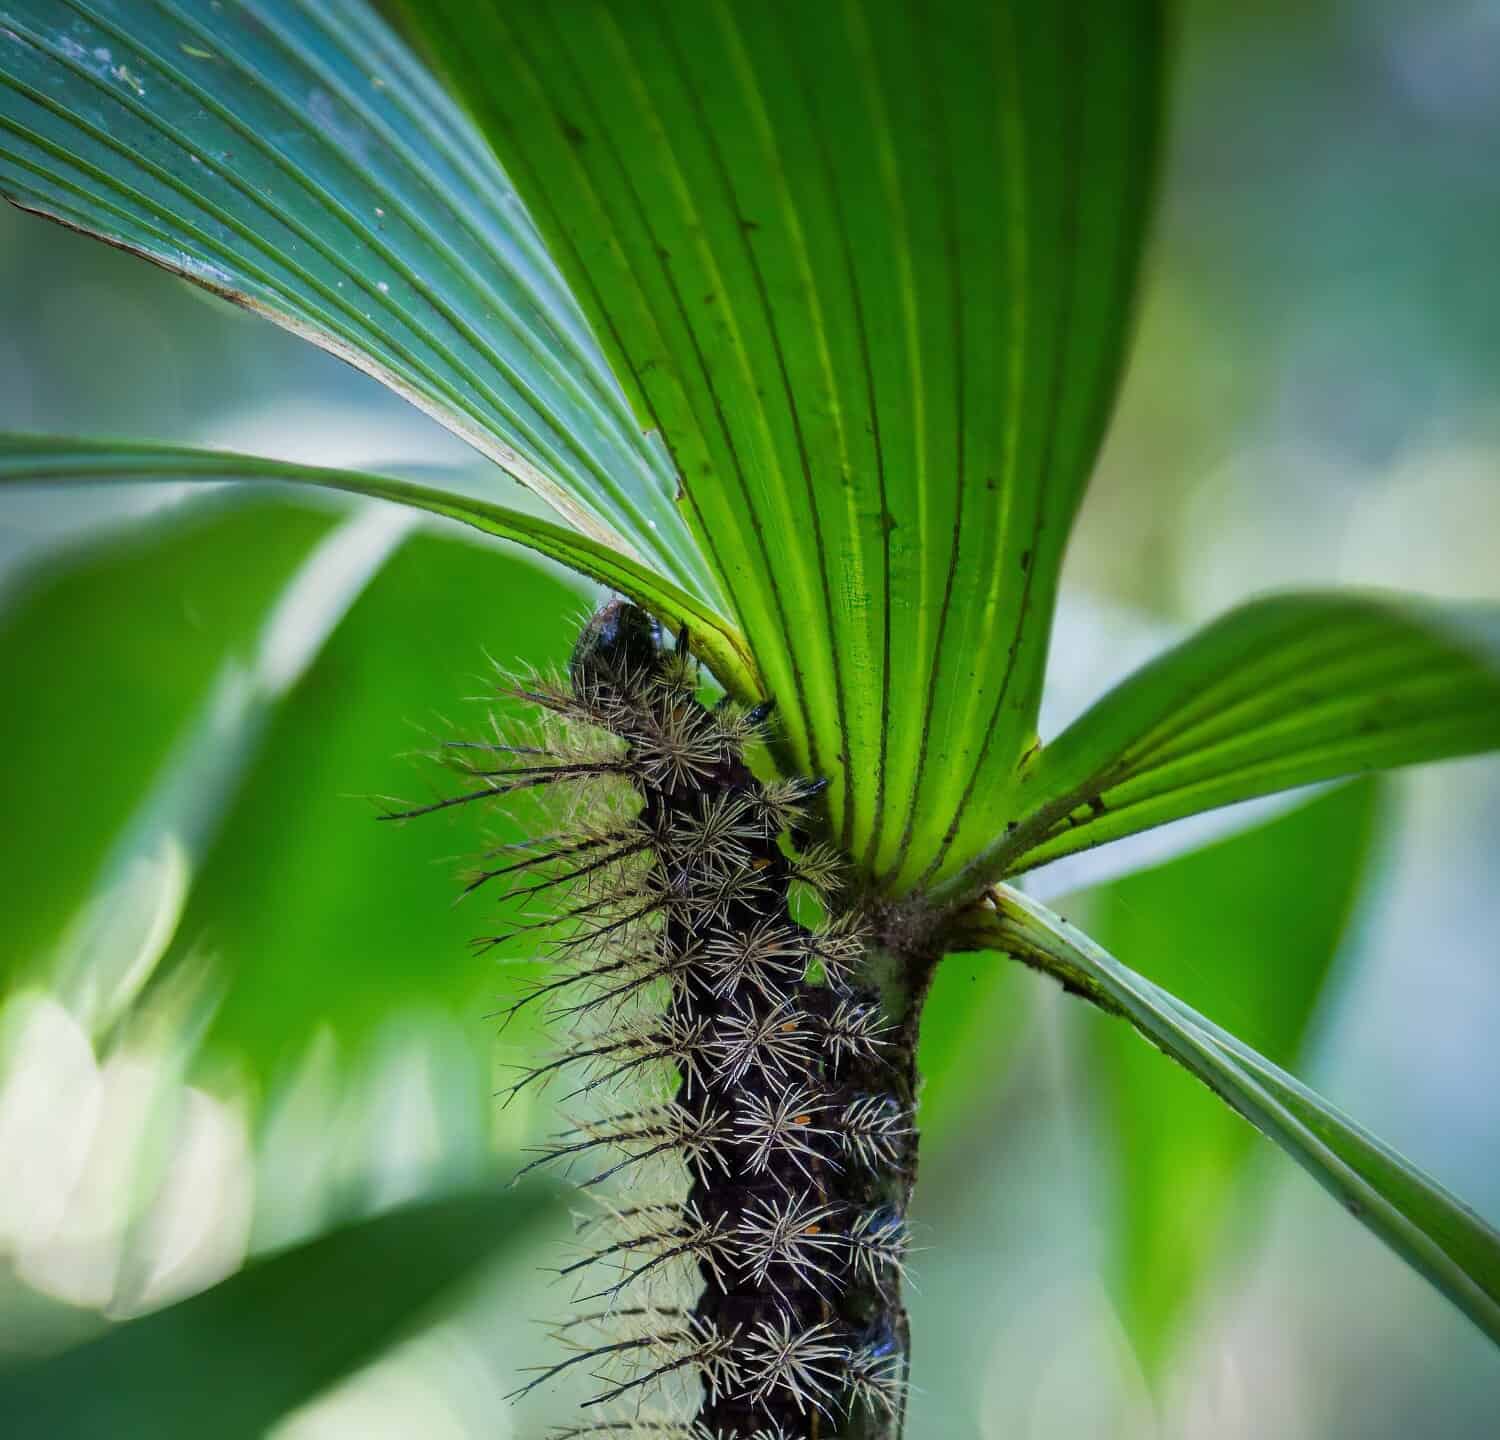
(293, 158)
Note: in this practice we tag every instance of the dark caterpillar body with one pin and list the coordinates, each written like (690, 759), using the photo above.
(767, 1266)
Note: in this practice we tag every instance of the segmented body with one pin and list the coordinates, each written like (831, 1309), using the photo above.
(758, 1070)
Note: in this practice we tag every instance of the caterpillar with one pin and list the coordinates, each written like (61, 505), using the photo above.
(735, 1099)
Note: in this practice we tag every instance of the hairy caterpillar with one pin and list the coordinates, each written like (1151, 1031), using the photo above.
(754, 1111)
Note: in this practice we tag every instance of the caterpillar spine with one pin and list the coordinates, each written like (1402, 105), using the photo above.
(755, 1291)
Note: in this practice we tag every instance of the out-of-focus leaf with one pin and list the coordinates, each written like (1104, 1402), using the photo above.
(127, 922)
(231, 1361)
(1281, 692)
(970, 1021)
(319, 916)
(867, 268)
(1239, 931)
(1433, 1231)
(294, 159)
(27, 459)
(314, 916)
(108, 652)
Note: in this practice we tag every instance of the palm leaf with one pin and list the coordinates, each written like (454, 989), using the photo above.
(1430, 1229)
(1199, 925)
(1281, 692)
(29, 459)
(866, 267)
(294, 159)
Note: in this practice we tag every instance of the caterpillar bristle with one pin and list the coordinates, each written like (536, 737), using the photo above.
(763, 1129)
(639, 1427)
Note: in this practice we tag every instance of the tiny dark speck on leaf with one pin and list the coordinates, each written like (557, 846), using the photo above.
(571, 133)
(887, 521)
(748, 224)
(1025, 561)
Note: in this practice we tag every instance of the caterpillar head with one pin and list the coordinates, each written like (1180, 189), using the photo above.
(619, 642)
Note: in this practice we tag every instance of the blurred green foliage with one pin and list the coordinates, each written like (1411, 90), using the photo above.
(96, 703)
(323, 916)
(234, 1360)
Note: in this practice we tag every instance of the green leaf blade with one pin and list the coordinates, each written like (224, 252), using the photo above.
(1434, 1232)
(867, 270)
(1199, 925)
(1282, 692)
(235, 1359)
(31, 459)
(293, 160)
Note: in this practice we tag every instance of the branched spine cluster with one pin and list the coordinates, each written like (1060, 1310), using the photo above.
(765, 1300)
